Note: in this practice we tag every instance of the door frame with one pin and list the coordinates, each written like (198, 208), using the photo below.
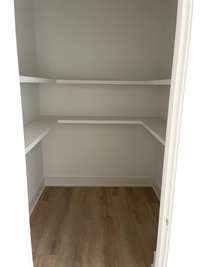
(19, 199)
(179, 68)
(15, 241)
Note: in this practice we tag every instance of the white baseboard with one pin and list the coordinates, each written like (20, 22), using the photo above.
(98, 181)
(36, 197)
(93, 182)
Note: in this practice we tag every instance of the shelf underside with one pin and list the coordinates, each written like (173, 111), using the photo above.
(35, 131)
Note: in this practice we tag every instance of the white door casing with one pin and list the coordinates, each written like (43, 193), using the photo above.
(179, 68)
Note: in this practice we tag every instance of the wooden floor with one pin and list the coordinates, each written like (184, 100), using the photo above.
(95, 227)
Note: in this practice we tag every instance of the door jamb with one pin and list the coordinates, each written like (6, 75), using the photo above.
(179, 68)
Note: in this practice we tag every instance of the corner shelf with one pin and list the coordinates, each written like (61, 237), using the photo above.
(31, 79)
(35, 131)
(155, 126)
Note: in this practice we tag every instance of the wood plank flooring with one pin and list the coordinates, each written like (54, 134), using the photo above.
(95, 227)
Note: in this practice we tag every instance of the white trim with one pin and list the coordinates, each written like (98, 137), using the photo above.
(182, 44)
(98, 181)
(33, 202)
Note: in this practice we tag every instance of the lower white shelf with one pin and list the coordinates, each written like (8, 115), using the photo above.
(156, 127)
(99, 120)
(35, 131)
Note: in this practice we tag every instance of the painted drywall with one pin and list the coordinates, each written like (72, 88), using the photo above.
(34, 164)
(25, 37)
(93, 100)
(163, 101)
(99, 152)
(34, 169)
(157, 179)
(99, 39)
(30, 102)
(27, 59)
(29, 93)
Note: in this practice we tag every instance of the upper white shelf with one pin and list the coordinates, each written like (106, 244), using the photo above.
(35, 131)
(30, 79)
(109, 82)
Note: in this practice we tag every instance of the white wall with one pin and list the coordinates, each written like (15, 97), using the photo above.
(99, 39)
(163, 101)
(27, 59)
(34, 169)
(99, 152)
(29, 93)
(104, 40)
(30, 102)
(159, 166)
(96, 100)
(25, 37)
